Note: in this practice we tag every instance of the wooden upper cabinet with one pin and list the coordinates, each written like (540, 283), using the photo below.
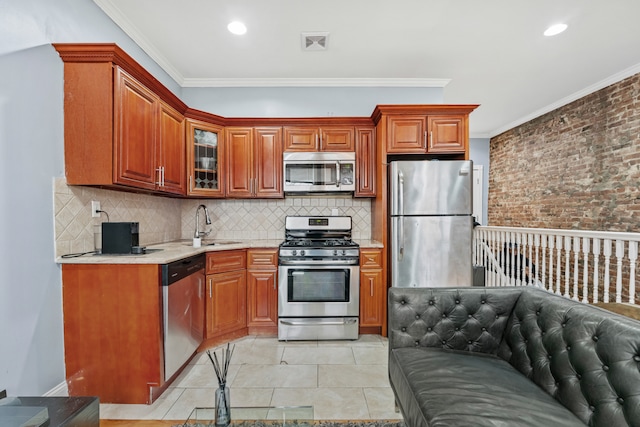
(148, 139)
(406, 134)
(420, 134)
(337, 139)
(365, 162)
(239, 162)
(122, 128)
(267, 157)
(171, 150)
(298, 138)
(135, 140)
(447, 134)
(254, 160)
(325, 138)
(205, 154)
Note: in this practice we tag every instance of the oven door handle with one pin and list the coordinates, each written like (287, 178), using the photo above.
(311, 264)
(318, 322)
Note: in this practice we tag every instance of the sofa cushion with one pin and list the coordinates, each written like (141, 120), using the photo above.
(444, 388)
(585, 357)
(472, 319)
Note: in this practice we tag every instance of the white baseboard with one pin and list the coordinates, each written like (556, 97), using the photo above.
(59, 390)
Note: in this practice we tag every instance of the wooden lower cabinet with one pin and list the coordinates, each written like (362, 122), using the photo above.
(262, 291)
(226, 298)
(373, 292)
(113, 331)
(226, 311)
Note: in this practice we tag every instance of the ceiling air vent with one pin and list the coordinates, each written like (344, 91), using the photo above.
(315, 41)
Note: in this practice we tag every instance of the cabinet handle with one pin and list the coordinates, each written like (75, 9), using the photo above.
(162, 176)
(425, 140)
(430, 138)
(317, 147)
(159, 181)
(210, 286)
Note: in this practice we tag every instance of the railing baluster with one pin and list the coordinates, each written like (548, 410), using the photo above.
(551, 247)
(619, 256)
(567, 272)
(543, 244)
(558, 264)
(585, 270)
(517, 253)
(633, 256)
(493, 250)
(511, 258)
(529, 260)
(501, 258)
(596, 272)
(536, 242)
(607, 266)
(576, 268)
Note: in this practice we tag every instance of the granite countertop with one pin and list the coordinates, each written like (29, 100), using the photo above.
(174, 251)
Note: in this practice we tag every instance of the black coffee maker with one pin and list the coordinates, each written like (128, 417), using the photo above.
(119, 237)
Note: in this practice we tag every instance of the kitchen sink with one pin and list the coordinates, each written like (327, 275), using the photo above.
(190, 243)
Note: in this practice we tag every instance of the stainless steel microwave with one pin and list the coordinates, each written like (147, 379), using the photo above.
(319, 172)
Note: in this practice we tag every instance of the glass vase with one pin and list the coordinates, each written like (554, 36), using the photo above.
(223, 408)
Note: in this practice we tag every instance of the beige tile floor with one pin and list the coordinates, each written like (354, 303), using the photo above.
(342, 380)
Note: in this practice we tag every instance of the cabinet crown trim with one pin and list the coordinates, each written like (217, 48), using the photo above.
(424, 109)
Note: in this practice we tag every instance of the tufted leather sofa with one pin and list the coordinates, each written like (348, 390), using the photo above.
(512, 356)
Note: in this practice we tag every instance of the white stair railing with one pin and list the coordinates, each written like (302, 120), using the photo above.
(581, 265)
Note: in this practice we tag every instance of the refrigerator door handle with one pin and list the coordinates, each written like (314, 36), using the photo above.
(400, 193)
(400, 212)
(400, 238)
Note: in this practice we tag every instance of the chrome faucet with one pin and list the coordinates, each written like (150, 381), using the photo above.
(207, 220)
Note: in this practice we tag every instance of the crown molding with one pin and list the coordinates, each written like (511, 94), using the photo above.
(121, 21)
(316, 82)
(615, 78)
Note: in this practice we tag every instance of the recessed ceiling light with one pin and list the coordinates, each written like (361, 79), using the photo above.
(555, 30)
(237, 27)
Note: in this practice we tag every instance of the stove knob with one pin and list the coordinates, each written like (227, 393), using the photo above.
(294, 252)
(335, 252)
(302, 252)
(344, 252)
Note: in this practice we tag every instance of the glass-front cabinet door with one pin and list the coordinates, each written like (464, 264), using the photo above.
(204, 157)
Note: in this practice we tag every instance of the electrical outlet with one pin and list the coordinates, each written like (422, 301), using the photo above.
(95, 209)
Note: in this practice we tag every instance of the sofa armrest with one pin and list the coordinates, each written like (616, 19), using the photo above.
(468, 319)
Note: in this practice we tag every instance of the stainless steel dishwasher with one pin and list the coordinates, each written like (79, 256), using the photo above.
(183, 288)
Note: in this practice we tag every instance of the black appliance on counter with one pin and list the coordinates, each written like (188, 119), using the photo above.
(120, 237)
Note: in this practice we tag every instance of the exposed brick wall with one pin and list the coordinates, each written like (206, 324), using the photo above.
(577, 167)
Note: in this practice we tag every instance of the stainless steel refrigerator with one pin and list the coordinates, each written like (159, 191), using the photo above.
(431, 223)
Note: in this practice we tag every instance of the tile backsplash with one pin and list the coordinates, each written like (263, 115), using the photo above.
(164, 219)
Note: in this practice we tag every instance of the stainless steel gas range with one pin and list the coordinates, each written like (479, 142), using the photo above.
(318, 279)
